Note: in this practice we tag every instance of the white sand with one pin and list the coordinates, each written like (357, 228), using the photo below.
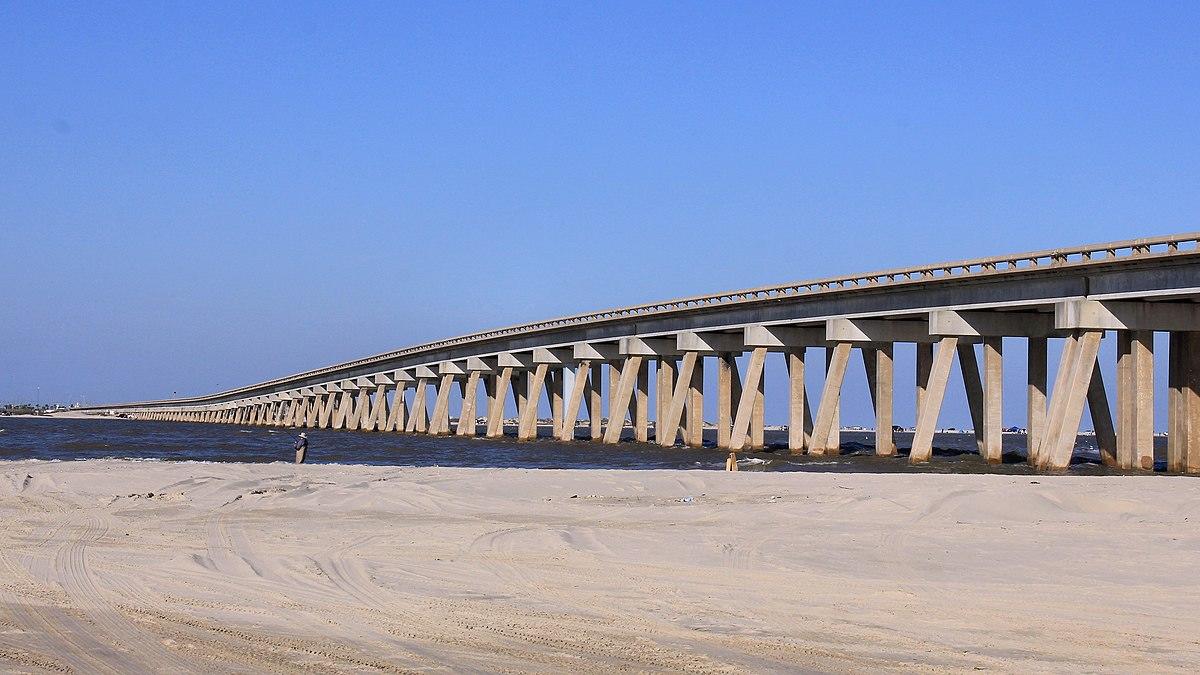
(234, 567)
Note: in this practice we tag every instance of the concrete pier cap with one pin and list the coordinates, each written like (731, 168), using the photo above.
(554, 355)
(648, 346)
(522, 359)
(597, 351)
(710, 342)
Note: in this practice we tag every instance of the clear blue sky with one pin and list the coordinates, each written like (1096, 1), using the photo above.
(198, 197)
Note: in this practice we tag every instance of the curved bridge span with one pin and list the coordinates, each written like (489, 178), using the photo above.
(1129, 289)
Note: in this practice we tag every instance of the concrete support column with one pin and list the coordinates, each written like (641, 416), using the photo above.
(664, 392)
(968, 365)
(360, 415)
(747, 431)
(497, 391)
(924, 371)
(694, 407)
(325, 421)
(1102, 421)
(580, 388)
(1183, 403)
(519, 385)
(878, 361)
(673, 399)
(758, 419)
(993, 400)
(614, 380)
(467, 416)
(799, 417)
(640, 411)
(555, 385)
(620, 400)
(341, 409)
(1067, 399)
(728, 390)
(418, 417)
(1135, 399)
(1035, 397)
(595, 401)
(395, 411)
(527, 405)
(826, 436)
(931, 396)
(312, 408)
(440, 423)
(374, 416)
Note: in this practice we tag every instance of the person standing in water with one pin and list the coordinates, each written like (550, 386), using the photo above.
(301, 447)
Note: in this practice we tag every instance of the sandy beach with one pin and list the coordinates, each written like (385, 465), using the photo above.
(125, 566)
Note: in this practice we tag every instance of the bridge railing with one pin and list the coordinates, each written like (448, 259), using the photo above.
(1167, 245)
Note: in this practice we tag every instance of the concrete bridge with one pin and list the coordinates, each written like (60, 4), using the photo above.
(1077, 295)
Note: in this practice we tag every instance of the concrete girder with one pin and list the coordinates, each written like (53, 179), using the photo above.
(384, 379)
(425, 372)
(452, 368)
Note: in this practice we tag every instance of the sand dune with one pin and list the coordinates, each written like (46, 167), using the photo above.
(118, 566)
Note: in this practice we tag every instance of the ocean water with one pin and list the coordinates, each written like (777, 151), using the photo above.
(75, 439)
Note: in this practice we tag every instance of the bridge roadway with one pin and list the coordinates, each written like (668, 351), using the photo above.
(1077, 295)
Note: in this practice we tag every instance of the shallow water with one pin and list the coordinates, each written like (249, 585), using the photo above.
(70, 439)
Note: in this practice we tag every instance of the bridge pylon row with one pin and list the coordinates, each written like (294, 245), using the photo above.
(600, 390)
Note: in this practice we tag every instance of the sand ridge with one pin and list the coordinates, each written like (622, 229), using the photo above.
(128, 566)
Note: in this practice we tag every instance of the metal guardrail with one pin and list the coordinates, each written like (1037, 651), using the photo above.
(1163, 246)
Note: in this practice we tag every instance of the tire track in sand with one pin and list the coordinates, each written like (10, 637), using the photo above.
(139, 649)
(41, 612)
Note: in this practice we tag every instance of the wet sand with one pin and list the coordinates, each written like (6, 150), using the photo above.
(109, 565)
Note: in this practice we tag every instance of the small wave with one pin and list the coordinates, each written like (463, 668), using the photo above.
(754, 460)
